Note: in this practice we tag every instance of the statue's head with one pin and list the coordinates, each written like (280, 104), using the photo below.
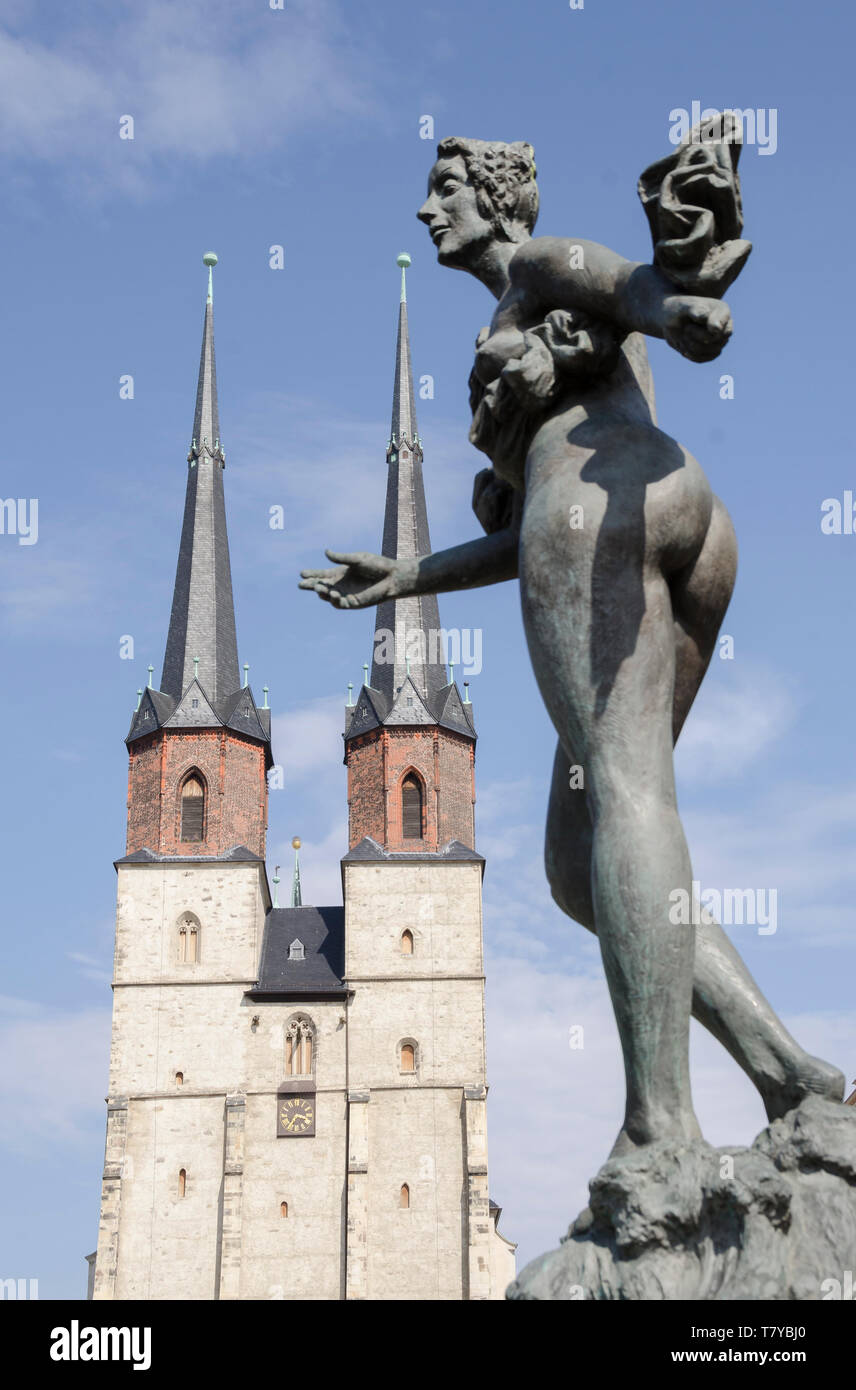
(479, 191)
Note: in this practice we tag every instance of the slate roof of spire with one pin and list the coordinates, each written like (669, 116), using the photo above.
(407, 631)
(202, 623)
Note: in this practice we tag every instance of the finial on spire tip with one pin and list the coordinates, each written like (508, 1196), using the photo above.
(210, 259)
(403, 260)
(296, 895)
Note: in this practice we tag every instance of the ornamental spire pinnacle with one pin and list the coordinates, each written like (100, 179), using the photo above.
(296, 895)
(202, 622)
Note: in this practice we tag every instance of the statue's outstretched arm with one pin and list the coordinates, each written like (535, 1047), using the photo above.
(360, 580)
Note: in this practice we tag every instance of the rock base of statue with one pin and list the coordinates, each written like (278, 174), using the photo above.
(687, 1221)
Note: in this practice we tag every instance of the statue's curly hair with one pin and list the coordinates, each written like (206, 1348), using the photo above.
(503, 177)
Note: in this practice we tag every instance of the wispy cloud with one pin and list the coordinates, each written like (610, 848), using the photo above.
(41, 583)
(794, 837)
(54, 1075)
(737, 718)
(90, 967)
(202, 80)
(310, 737)
(330, 478)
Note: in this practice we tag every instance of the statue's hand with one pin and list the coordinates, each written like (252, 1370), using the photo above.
(697, 328)
(360, 580)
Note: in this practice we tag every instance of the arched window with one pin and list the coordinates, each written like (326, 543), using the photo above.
(408, 1056)
(188, 939)
(407, 942)
(193, 808)
(283, 1208)
(182, 1181)
(179, 1078)
(404, 1197)
(411, 807)
(299, 1047)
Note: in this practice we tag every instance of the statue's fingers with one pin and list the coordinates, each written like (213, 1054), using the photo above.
(322, 591)
(365, 598)
(338, 558)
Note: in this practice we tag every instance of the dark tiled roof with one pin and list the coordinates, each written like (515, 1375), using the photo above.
(158, 710)
(321, 930)
(406, 535)
(452, 853)
(154, 710)
(202, 622)
(409, 707)
(452, 713)
(240, 712)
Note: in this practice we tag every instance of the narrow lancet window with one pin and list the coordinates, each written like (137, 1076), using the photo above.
(188, 940)
(404, 1197)
(192, 809)
(299, 1040)
(411, 808)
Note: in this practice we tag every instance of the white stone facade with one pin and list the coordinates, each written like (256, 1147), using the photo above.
(195, 1176)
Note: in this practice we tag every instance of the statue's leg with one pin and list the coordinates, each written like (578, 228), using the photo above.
(726, 999)
(599, 624)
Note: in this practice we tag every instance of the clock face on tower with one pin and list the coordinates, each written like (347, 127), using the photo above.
(295, 1115)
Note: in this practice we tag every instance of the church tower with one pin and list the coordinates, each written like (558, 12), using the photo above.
(297, 1097)
(413, 940)
(192, 899)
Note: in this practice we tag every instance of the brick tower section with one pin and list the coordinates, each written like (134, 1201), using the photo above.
(232, 770)
(380, 760)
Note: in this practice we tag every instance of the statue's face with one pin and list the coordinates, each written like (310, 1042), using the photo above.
(451, 214)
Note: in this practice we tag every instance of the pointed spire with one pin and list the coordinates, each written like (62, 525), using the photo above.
(412, 649)
(202, 623)
(296, 899)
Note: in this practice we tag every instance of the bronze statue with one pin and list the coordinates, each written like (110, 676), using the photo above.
(626, 562)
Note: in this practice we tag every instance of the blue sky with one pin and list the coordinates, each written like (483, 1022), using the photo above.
(301, 127)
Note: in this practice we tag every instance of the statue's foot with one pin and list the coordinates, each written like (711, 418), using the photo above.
(634, 1135)
(805, 1076)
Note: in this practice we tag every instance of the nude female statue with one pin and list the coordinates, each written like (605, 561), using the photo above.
(622, 609)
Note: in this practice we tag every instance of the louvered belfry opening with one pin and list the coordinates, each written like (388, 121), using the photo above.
(411, 808)
(192, 809)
